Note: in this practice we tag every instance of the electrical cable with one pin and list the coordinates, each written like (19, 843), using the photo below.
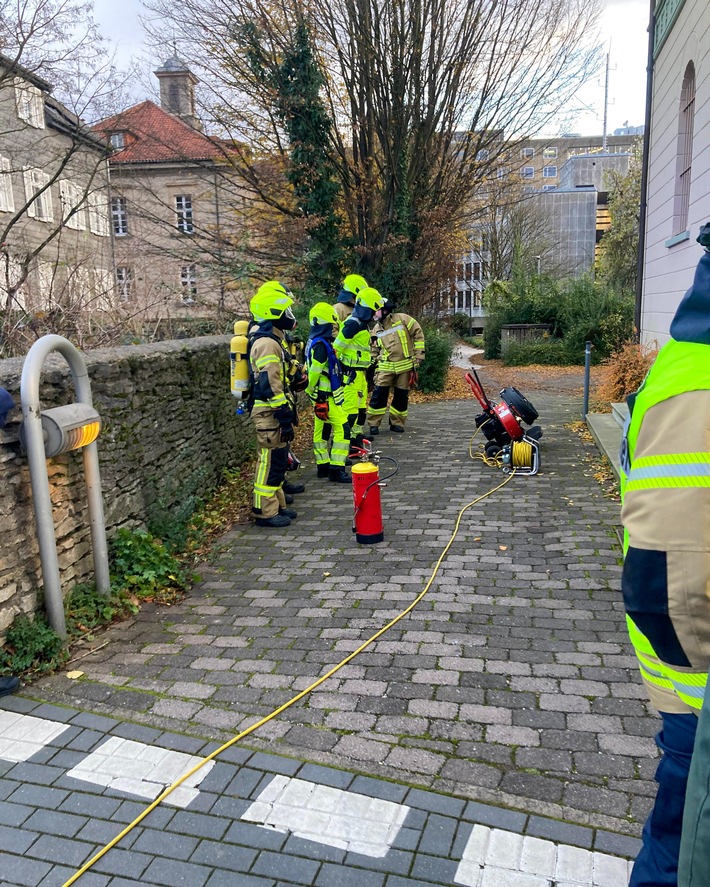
(161, 797)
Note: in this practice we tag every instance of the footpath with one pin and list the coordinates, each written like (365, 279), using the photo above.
(498, 735)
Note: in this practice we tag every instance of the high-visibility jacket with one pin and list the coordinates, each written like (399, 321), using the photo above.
(397, 342)
(268, 363)
(352, 344)
(665, 487)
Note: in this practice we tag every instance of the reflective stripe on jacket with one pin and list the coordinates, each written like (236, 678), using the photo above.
(397, 342)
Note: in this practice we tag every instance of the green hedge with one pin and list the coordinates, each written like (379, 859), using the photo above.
(435, 367)
(577, 311)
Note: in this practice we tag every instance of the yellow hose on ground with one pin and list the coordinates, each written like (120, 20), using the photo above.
(171, 788)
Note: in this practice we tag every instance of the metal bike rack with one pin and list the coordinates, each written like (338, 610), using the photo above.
(46, 434)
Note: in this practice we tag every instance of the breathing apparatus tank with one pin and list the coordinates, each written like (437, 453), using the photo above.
(238, 363)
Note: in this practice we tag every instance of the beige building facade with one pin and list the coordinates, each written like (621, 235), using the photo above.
(54, 225)
(174, 203)
(678, 192)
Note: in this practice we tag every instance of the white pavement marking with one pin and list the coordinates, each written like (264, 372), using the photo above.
(143, 770)
(22, 736)
(328, 815)
(496, 858)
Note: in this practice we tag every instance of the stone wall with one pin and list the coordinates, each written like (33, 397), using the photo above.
(169, 429)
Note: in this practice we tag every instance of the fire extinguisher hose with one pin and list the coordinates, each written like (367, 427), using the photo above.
(265, 720)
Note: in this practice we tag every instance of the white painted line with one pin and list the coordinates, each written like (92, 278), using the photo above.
(497, 858)
(22, 736)
(143, 770)
(328, 815)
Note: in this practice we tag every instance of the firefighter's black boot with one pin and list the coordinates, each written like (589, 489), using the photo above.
(288, 487)
(374, 430)
(278, 520)
(323, 470)
(339, 475)
(290, 513)
(288, 499)
(397, 428)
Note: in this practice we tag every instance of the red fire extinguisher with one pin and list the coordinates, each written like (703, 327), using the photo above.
(367, 520)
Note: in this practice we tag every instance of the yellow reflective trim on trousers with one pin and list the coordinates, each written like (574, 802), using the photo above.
(377, 412)
(394, 412)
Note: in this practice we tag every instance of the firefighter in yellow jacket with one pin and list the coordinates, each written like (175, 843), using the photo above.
(272, 414)
(331, 435)
(352, 347)
(397, 351)
(665, 485)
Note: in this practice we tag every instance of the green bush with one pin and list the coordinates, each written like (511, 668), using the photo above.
(435, 367)
(549, 352)
(30, 644)
(143, 566)
(577, 311)
(86, 609)
(459, 324)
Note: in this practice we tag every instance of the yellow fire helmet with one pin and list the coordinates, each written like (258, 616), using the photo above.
(353, 283)
(322, 312)
(370, 298)
(272, 301)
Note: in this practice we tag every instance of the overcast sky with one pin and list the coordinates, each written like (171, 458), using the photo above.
(623, 25)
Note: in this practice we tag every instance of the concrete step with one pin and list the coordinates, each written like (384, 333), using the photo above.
(606, 431)
(620, 412)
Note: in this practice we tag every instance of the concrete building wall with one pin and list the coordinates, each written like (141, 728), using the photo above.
(571, 222)
(670, 257)
(592, 170)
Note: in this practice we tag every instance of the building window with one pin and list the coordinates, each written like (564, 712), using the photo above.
(549, 187)
(527, 153)
(476, 299)
(7, 200)
(118, 140)
(502, 172)
(527, 172)
(183, 209)
(71, 197)
(549, 153)
(483, 155)
(124, 283)
(549, 172)
(476, 270)
(119, 216)
(98, 214)
(37, 190)
(467, 270)
(685, 151)
(188, 282)
(30, 104)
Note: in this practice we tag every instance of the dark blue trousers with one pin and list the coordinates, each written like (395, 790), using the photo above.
(657, 862)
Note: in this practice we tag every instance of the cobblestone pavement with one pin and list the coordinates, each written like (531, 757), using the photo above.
(511, 684)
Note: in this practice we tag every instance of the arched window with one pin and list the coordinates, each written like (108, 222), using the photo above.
(174, 98)
(685, 151)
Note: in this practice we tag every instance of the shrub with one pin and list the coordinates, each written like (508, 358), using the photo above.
(86, 609)
(143, 566)
(30, 644)
(459, 324)
(435, 367)
(549, 352)
(624, 371)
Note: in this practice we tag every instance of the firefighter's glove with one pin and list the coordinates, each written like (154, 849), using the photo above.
(321, 411)
(413, 379)
(284, 416)
(299, 381)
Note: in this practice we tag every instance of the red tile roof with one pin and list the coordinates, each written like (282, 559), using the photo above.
(153, 135)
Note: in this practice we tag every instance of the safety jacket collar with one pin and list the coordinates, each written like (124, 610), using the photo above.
(266, 329)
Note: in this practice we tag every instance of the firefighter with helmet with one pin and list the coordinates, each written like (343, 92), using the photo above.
(352, 347)
(272, 414)
(397, 351)
(352, 285)
(665, 489)
(325, 390)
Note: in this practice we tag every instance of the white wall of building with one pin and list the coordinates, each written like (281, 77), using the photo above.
(668, 269)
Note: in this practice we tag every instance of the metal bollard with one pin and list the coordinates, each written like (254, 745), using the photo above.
(587, 372)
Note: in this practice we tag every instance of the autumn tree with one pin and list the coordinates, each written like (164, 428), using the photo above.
(617, 264)
(421, 95)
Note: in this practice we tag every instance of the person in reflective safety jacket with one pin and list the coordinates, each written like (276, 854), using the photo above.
(331, 434)
(272, 414)
(397, 351)
(665, 488)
